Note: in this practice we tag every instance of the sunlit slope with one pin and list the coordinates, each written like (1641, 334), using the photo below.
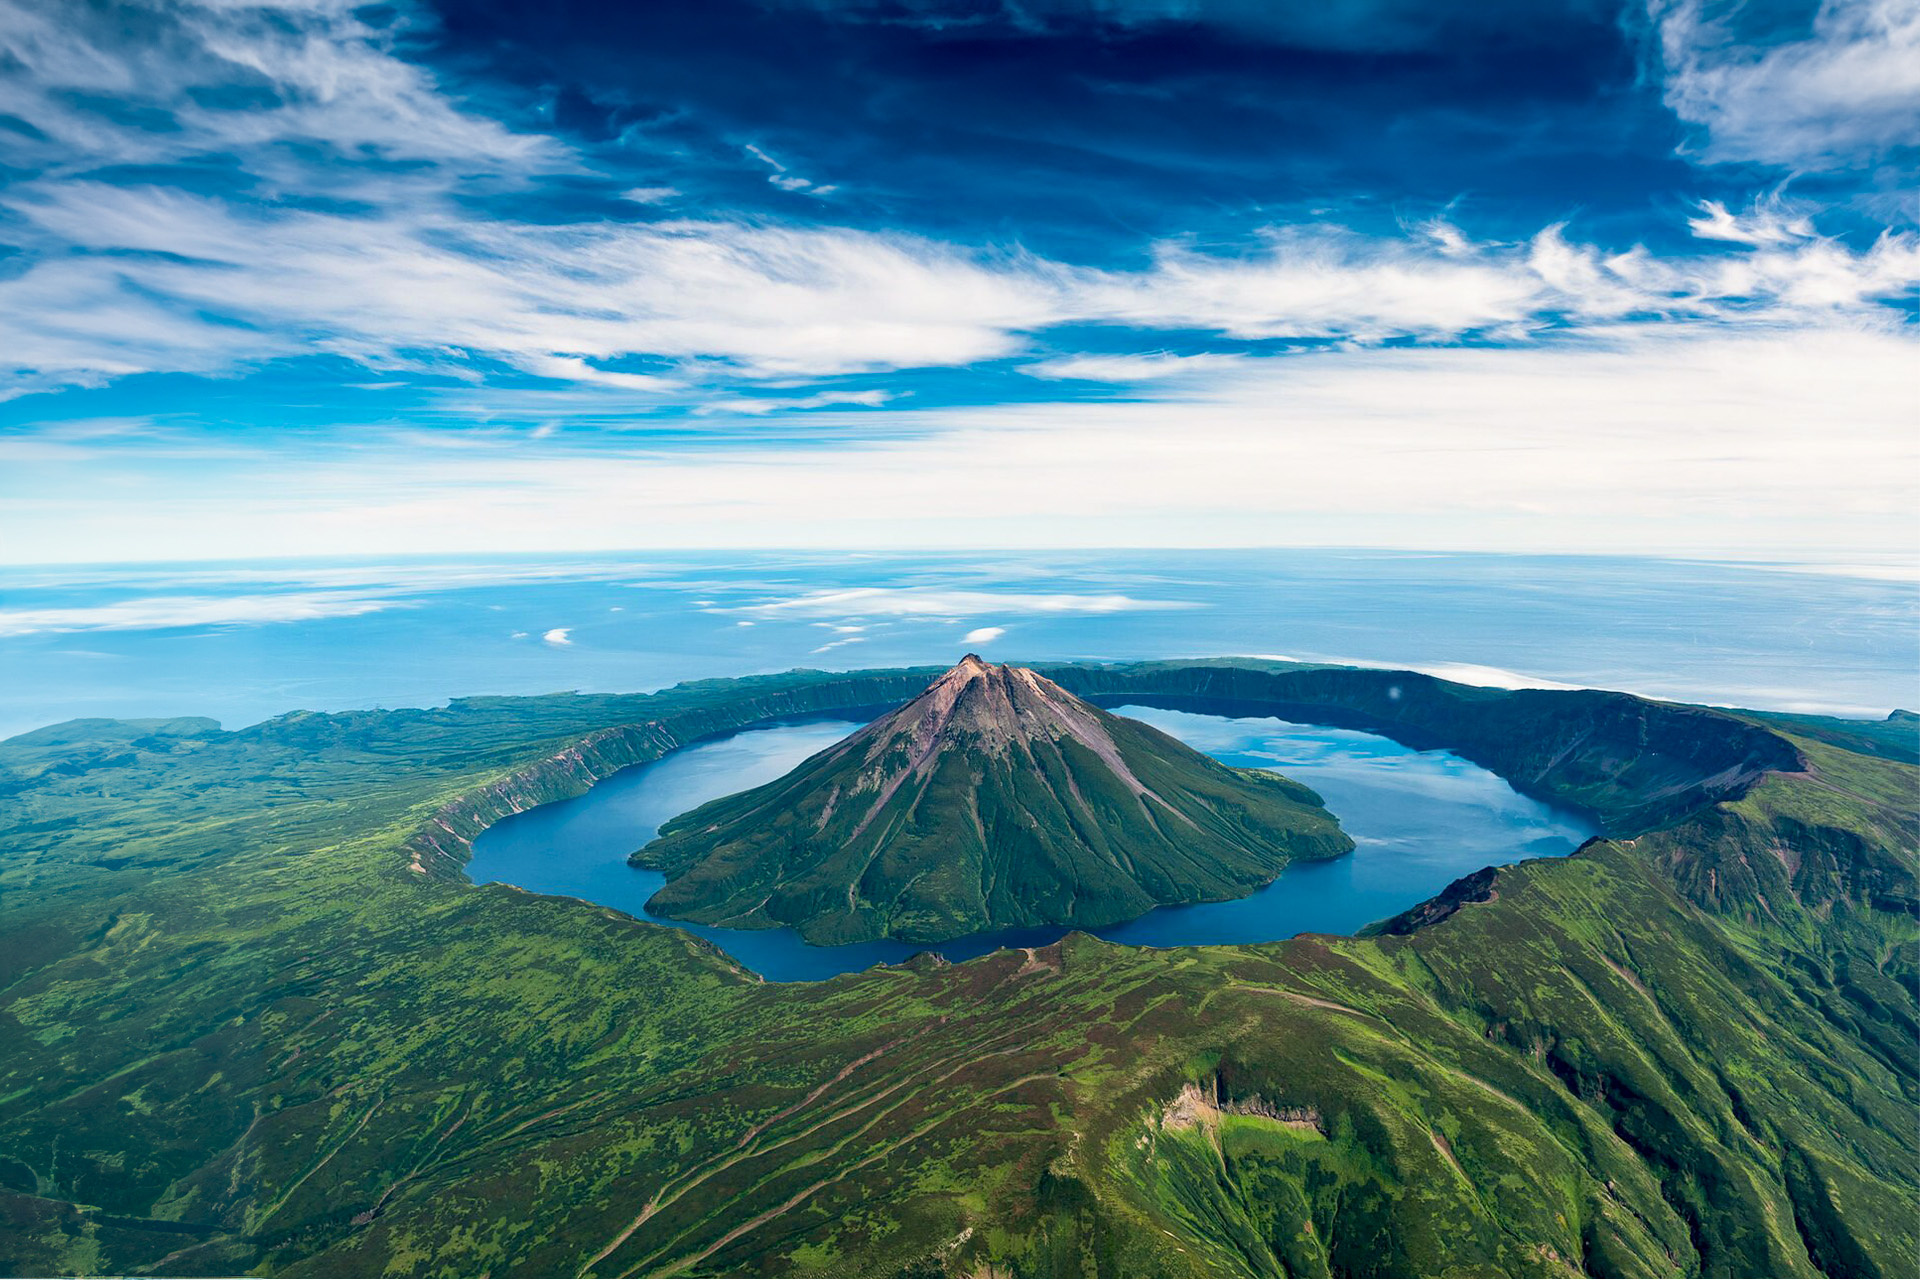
(994, 799)
(238, 1032)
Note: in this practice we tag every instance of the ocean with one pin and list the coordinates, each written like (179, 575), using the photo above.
(244, 641)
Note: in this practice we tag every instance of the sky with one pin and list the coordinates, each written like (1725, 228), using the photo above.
(310, 278)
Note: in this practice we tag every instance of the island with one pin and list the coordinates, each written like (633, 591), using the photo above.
(994, 799)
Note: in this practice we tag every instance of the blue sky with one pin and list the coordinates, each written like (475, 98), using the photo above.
(310, 279)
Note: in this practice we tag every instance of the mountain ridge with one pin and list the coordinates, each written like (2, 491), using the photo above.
(1686, 1054)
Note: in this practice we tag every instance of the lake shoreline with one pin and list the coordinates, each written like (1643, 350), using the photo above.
(1400, 858)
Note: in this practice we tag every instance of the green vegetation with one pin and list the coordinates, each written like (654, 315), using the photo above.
(994, 799)
(1895, 738)
(253, 1019)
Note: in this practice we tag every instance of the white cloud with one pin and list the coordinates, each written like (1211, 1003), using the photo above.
(1326, 283)
(1475, 674)
(307, 580)
(413, 284)
(939, 602)
(559, 635)
(574, 369)
(119, 280)
(784, 178)
(1767, 223)
(152, 613)
(1848, 91)
(983, 635)
(314, 73)
(1469, 673)
(758, 406)
(1314, 283)
(1147, 367)
(1802, 444)
(1895, 568)
(114, 279)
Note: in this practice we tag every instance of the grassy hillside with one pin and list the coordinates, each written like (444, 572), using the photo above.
(252, 1018)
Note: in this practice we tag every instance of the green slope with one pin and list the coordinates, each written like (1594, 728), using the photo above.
(993, 800)
(239, 1032)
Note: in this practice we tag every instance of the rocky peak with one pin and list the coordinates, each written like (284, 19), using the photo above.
(987, 707)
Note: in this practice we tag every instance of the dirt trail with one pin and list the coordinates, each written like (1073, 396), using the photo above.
(1313, 1001)
(1445, 1149)
(961, 1059)
(844, 1072)
(682, 1266)
(746, 1148)
(324, 1160)
(661, 1198)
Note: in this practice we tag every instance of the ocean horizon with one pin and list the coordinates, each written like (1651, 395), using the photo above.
(242, 641)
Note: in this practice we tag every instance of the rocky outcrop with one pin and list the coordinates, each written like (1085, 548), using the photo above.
(1198, 1107)
(1468, 889)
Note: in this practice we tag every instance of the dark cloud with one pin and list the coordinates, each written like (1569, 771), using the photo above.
(1082, 128)
(1351, 26)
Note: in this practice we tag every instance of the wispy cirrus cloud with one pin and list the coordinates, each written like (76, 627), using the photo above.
(154, 268)
(1151, 366)
(153, 279)
(940, 602)
(785, 179)
(1768, 222)
(154, 613)
(372, 579)
(1846, 91)
(173, 82)
(869, 397)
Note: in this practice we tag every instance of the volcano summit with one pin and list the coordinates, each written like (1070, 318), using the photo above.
(994, 799)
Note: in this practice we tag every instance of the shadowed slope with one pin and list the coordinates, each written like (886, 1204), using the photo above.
(996, 798)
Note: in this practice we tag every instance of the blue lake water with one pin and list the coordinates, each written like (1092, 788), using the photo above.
(1419, 820)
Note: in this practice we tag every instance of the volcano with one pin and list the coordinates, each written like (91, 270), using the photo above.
(994, 799)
